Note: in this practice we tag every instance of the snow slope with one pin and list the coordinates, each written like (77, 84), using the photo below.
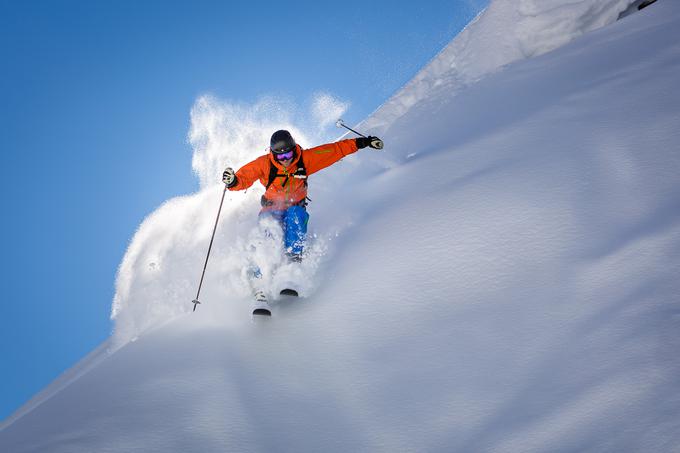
(501, 278)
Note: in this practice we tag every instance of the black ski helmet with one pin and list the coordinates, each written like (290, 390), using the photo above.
(281, 142)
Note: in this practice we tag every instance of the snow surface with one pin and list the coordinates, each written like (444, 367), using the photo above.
(502, 277)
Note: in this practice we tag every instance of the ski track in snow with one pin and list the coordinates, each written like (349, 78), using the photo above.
(503, 277)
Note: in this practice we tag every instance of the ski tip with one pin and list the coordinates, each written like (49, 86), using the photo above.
(289, 292)
(262, 312)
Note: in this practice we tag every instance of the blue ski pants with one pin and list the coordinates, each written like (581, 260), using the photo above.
(293, 222)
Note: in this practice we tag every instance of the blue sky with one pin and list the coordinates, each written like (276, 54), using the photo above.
(95, 112)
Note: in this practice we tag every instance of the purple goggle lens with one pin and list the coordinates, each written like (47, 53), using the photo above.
(284, 156)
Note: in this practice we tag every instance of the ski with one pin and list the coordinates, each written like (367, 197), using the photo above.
(289, 292)
(261, 307)
(262, 311)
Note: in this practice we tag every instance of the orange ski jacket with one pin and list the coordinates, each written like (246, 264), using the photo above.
(289, 188)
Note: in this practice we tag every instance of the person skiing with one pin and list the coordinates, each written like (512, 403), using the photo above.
(283, 172)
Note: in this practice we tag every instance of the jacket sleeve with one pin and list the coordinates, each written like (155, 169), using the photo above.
(320, 157)
(249, 173)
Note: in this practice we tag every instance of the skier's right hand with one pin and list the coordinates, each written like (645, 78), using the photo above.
(229, 177)
(372, 141)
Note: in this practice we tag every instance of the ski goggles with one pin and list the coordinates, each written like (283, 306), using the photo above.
(285, 155)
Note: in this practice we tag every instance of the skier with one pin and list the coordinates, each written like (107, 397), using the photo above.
(283, 172)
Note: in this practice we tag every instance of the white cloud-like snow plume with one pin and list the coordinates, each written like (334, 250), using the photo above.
(159, 274)
(327, 109)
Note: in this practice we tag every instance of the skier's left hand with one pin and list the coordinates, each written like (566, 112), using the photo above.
(372, 141)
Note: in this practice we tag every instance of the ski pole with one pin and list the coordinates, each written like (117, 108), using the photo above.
(376, 143)
(196, 301)
(340, 123)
